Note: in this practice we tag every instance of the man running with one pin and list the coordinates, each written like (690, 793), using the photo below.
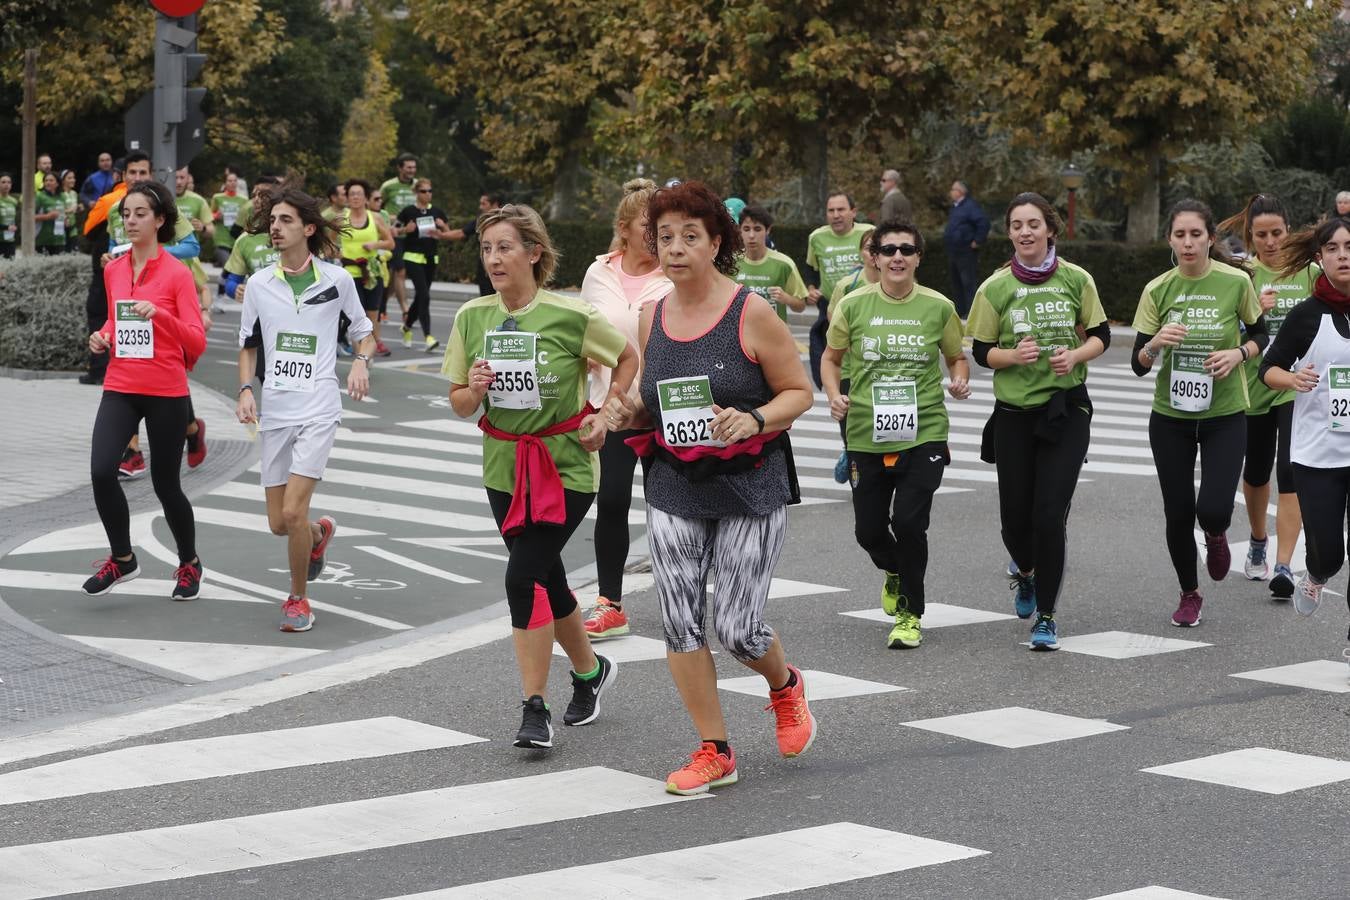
(767, 272)
(398, 195)
(831, 253)
(297, 302)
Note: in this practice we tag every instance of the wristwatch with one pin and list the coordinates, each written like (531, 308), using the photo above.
(365, 359)
(1150, 352)
(244, 387)
(758, 418)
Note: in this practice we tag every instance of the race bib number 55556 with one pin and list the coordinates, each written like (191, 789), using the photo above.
(515, 382)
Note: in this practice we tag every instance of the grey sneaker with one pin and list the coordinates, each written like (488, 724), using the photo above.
(1308, 596)
(1255, 567)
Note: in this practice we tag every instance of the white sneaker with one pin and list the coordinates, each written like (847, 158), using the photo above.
(1255, 566)
(1308, 596)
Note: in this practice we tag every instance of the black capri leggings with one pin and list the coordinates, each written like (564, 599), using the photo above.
(420, 309)
(617, 462)
(166, 419)
(1267, 445)
(1036, 480)
(536, 558)
(1174, 443)
(1324, 498)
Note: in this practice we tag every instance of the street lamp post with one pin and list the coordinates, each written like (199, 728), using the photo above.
(1072, 176)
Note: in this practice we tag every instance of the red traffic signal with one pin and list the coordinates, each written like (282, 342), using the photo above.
(176, 9)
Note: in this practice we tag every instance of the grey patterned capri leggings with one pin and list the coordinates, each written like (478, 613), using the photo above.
(743, 551)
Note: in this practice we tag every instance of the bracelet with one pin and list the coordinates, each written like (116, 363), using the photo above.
(246, 387)
(1150, 352)
(1245, 354)
(758, 417)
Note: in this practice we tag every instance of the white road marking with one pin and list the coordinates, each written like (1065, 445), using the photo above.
(452, 545)
(819, 686)
(201, 660)
(137, 587)
(1318, 675)
(1124, 644)
(1016, 726)
(1259, 769)
(414, 565)
(935, 615)
(372, 508)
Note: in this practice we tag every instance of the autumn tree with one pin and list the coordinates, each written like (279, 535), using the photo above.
(370, 137)
(1135, 83)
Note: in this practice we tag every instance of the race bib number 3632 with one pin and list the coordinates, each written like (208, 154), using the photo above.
(294, 361)
(1192, 388)
(687, 412)
(895, 412)
(515, 382)
(1338, 396)
(134, 336)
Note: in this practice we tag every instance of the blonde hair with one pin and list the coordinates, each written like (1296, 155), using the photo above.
(636, 195)
(530, 226)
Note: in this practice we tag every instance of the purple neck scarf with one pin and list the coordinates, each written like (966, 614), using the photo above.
(1036, 274)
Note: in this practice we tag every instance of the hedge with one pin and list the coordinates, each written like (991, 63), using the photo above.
(42, 317)
(1120, 270)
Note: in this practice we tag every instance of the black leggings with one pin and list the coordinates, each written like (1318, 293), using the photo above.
(617, 462)
(1036, 481)
(1267, 445)
(119, 418)
(1174, 442)
(536, 558)
(420, 309)
(1324, 498)
(96, 313)
(891, 506)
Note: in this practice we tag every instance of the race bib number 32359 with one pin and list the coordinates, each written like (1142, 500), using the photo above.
(134, 334)
(1338, 396)
(515, 382)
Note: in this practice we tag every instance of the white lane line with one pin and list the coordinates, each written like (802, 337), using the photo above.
(201, 660)
(731, 870)
(452, 545)
(444, 426)
(227, 845)
(397, 441)
(418, 487)
(137, 587)
(229, 518)
(218, 757)
(209, 707)
(372, 508)
(416, 566)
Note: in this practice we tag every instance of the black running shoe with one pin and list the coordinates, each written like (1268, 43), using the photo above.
(536, 725)
(111, 572)
(1282, 584)
(585, 705)
(188, 580)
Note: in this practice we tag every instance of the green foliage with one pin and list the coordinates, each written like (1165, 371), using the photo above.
(1226, 175)
(1313, 134)
(370, 137)
(42, 317)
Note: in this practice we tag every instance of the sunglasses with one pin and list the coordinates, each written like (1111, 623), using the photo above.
(508, 324)
(424, 190)
(889, 250)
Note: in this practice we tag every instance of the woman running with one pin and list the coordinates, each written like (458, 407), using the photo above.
(1025, 323)
(891, 336)
(154, 333)
(364, 235)
(1189, 316)
(1264, 225)
(522, 353)
(1315, 336)
(721, 383)
(618, 283)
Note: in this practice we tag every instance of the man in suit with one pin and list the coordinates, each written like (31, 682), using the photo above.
(967, 229)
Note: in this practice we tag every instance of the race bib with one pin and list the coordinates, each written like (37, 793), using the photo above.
(293, 364)
(515, 381)
(687, 412)
(228, 216)
(134, 336)
(425, 225)
(1338, 397)
(9, 233)
(59, 227)
(1192, 387)
(895, 412)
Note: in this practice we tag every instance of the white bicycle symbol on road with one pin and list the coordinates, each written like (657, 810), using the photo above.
(436, 401)
(341, 573)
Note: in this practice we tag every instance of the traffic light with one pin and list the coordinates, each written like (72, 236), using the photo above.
(168, 123)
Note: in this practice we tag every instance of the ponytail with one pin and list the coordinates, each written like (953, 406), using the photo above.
(1257, 205)
(1301, 248)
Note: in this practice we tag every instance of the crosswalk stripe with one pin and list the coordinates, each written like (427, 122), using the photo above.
(202, 660)
(377, 509)
(445, 426)
(229, 518)
(226, 845)
(453, 546)
(414, 565)
(217, 757)
(137, 587)
(400, 441)
(732, 870)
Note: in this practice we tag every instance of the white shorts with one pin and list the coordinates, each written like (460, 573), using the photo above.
(296, 450)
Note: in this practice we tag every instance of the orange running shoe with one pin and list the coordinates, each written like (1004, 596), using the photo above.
(605, 621)
(706, 769)
(795, 725)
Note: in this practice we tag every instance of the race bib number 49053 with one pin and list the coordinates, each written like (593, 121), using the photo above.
(134, 336)
(294, 361)
(895, 412)
(687, 412)
(1192, 388)
(1338, 396)
(515, 382)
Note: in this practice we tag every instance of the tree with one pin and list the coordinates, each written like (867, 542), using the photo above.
(1135, 83)
(370, 138)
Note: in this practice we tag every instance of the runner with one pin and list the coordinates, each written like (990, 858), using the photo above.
(487, 202)
(618, 283)
(230, 209)
(421, 225)
(863, 275)
(892, 335)
(1024, 323)
(721, 383)
(363, 235)
(767, 272)
(522, 354)
(1263, 225)
(70, 198)
(337, 201)
(1315, 336)
(376, 205)
(49, 210)
(154, 333)
(302, 404)
(252, 252)
(9, 216)
(831, 253)
(399, 193)
(1190, 317)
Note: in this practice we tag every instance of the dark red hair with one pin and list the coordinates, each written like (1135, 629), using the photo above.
(697, 201)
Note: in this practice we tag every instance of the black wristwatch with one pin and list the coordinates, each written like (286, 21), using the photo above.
(758, 418)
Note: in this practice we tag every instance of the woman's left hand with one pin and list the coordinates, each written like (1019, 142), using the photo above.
(959, 388)
(1221, 363)
(593, 431)
(732, 425)
(145, 309)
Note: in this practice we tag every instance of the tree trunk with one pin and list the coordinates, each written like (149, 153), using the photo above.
(1142, 223)
(815, 173)
(740, 169)
(562, 207)
(24, 182)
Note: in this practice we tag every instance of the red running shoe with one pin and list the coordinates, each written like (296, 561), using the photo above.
(605, 621)
(795, 725)
(296, 615)
(706, 769)
(381, 349)
(327, 528)
(1217, 556)
(196, 446)
(132, 464)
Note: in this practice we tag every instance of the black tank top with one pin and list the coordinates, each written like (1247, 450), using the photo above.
(736, 381)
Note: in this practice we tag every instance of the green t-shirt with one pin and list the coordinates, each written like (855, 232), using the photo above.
(774, 270)
(1005, 309)
(1210, 306)
(192, 205)
(72, 201)
(570, 332)
(834, 255)
(1289, 292)
(886, 341)
(117, 233)
(46, 235)
(234, 210)
(851, 282)
(251, 253)
(9, 219)
(301, 282)
(397, 195)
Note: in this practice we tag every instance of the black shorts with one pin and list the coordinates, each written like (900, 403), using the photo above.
(370, 297)
(396, 261)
